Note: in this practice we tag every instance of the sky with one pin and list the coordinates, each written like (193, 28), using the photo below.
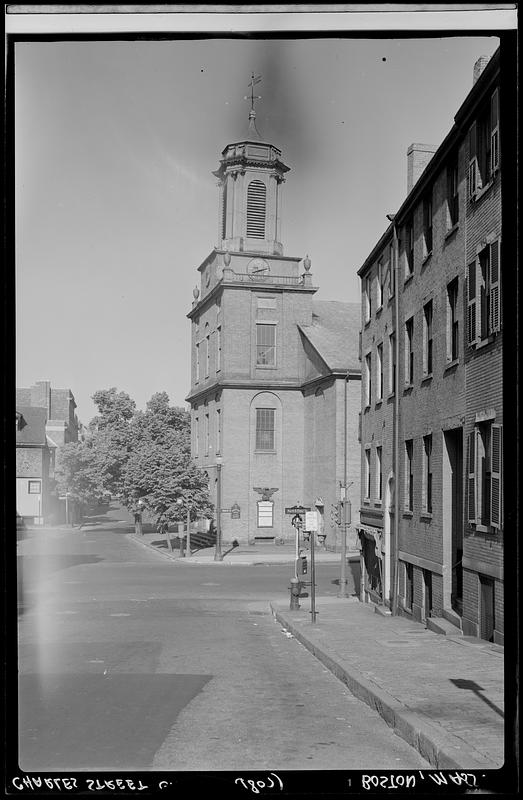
(116, 204)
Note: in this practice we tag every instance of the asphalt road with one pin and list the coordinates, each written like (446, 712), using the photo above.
(130, 661)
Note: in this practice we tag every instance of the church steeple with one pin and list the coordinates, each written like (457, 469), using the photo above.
(250, 176)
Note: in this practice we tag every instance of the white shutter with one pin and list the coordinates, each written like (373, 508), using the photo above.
(494, 135)
(494, 305)
(473, 172)
(471, 303)
(471, 477)
(496, 486)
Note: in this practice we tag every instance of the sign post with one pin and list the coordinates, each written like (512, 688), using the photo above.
(313, 580)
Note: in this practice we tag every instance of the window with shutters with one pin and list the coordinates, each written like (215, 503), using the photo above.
(392, 272)
(409, 352)
(484, 153)
(379, 474)
(381, 278)
(367, 473)
(452, 193)
(392, 363)
(379, 373)
(427, 339)
(484, 469)
(427, 224)
(265, 345)
(367, 301)
(265, 428)
(483, 295)
(452, 321)
(409, 476)
(368, 380)
(256, 203)
(409, 249)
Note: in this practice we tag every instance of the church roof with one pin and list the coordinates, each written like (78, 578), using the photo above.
(334, 333)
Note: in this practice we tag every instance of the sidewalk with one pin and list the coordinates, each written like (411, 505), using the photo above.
(246, 555)
(442, 694)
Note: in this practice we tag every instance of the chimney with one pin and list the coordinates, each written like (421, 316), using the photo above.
(41, 396)
(479, 66)
(418, 156)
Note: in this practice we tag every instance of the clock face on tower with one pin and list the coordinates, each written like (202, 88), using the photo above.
(258, 267)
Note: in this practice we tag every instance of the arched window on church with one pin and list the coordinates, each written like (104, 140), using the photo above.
(256, 203)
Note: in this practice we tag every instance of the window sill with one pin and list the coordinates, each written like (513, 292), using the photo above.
(391, 396)
(366, 500)
(482, 529)
(270, 452)
(379, 310)
(366, 323)
(378, 503)
(378, 402)
(426, 259)
(426, 515)
(427, 378)
(266, 366)
(484, 189)
(408, 278)
(391, 298)
(451, 364)
(407, 513)
(366, 408)
(408, 388)
(484, 342)
(452, 231)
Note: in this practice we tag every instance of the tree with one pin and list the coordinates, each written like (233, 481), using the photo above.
(159, 470)
(141, 455)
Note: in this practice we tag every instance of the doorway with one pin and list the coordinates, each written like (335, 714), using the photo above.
(453, 518)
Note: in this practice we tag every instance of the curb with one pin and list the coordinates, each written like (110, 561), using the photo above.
(440, 748)
(194, 562)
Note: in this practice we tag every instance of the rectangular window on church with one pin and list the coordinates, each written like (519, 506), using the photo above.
(265, 345)
(265, 429)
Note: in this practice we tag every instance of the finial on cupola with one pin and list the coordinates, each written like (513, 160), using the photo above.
(307, 263)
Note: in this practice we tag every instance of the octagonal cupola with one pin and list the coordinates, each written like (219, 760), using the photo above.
(250, 176)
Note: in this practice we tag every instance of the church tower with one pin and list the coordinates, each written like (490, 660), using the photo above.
(247, 363)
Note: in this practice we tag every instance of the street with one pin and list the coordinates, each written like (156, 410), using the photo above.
(130, 661)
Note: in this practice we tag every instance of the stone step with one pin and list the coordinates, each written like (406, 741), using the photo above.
(443, 626)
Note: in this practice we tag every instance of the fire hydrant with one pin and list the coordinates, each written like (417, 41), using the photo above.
(296, 592)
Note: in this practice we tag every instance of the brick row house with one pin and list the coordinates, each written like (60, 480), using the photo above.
(275, 376)
(45, 421)
(431, 431)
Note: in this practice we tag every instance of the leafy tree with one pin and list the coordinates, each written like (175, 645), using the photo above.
(160, 473)
(140, 454)
(159, 470)
(78, 471)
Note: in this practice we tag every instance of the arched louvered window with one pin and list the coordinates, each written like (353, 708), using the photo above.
(256, 201)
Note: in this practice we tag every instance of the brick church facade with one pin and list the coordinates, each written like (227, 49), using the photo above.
(275, 376)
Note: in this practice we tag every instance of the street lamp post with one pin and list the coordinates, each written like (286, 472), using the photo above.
(218, 553)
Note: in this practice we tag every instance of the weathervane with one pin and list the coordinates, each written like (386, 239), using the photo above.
(254, 80)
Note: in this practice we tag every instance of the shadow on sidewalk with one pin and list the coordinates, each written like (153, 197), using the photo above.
(463, 683)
